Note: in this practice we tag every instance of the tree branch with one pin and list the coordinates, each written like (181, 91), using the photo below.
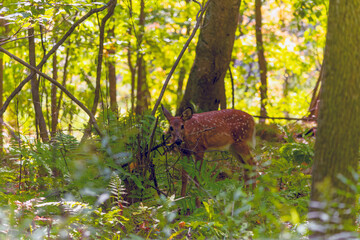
(46, 57)
(82, 106)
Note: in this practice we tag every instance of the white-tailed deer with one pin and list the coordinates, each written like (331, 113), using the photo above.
(228, 129)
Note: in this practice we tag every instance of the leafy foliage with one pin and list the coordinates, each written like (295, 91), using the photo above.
(116, 187)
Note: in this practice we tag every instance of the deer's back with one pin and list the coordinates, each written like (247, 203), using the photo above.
(219, 129)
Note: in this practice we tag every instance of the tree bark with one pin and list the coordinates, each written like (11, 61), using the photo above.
(338, 134)
(261, 61)
(39, 117)
(205, 87)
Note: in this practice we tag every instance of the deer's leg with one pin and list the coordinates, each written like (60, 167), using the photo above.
(242, 152)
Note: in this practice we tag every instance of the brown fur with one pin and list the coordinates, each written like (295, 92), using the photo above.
(228, 129)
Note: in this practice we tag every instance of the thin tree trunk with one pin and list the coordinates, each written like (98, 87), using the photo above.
(100, 57)
(232, 89)
(40, 120)
(261, 60)
(99, 67)
(142, 91)
(1, 103)
(4, 33)
(112, 75)
(112, 86)
(54, 111)
(333, 199)
(131, 67)
(133, 76)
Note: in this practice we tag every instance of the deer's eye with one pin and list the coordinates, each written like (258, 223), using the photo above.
(171, 129)
(182, 126)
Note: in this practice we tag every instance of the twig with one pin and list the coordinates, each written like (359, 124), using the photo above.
(198, 21)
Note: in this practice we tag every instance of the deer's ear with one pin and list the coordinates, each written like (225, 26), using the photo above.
(167, 114)
(187, 114)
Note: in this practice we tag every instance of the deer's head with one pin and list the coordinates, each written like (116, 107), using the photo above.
(177, 125)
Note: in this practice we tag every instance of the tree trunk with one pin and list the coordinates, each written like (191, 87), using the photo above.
(142, 91)
(338, 134)
(112, 74)
(1, 103)
(54, 117)
(205, 87)
(112, 86)
(100, 57)
(261, 60)
(4, 33)
(131, 67)
(133, 76)
(39, 117)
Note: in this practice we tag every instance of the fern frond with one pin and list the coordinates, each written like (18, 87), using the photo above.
(117, 189)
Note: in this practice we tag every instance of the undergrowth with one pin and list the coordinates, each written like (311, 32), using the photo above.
(118, 189)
